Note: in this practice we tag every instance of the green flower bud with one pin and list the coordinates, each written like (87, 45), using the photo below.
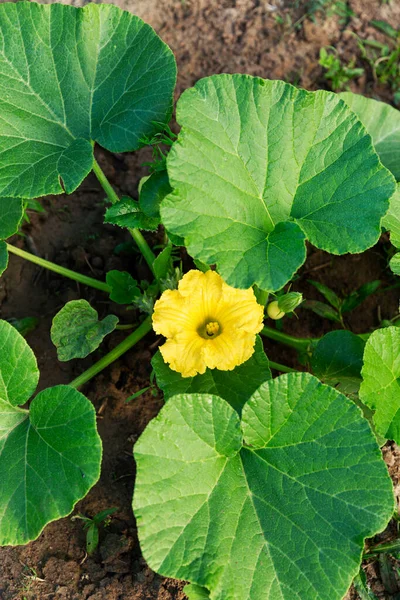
(288, 302)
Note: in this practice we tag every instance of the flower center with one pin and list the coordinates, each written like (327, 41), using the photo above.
(210, 330)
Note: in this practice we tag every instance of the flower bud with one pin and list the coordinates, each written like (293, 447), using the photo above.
(288, 302)
(274, 312)
(285, 304)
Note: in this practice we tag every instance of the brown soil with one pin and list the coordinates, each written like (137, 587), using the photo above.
(207, 37)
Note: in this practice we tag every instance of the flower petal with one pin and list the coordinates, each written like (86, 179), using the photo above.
(229, 350)
(203, 290)
(240, 309)
(184, 353)
(171, 315)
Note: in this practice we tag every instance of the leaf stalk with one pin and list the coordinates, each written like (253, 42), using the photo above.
(46, 264)
(143, 246)
(118, 351)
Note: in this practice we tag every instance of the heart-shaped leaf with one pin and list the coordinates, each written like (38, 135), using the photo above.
(380, 389)
(50, 455)
(391, 220)
(11, 213)
(395, 263)
(382, 122)
(3, 257)
(70, 77)
(338, 358)
(256, 164)
(276, 511)
(76, 330)
(236, 386)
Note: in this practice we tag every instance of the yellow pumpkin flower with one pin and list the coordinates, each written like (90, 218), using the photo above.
(207, 323)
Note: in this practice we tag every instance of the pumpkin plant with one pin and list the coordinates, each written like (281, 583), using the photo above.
(248, 487)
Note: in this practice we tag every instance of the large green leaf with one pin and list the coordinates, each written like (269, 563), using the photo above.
(50, 455)
(76, 330)
(338, 358)
(394, 263)
(19, 373)
(391, 220)
(236, 386)
(276, 511)
(11, 213)
(254, 155)
(69, 77)
(3, 257)
(382, 122)
(380, 389)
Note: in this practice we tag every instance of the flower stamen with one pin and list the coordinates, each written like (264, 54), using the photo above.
(212, 329)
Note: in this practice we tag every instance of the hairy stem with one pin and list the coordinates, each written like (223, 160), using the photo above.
(301, 344)
(89, 281)
(279, 367)
(112, 356)
(135, 233)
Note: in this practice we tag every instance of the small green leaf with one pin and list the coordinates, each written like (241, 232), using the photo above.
(76, 330)
(70, 77)
(153, 190)
(123, 287)
(391, 220)
(356, 298)
(92, 538)
(162, 263)
(50, 455)
(394, 264)
(327, 293)
(338, 358)
(235, 386)
(382, 122)
(362, 588)
(255, 155)
(24, 325)
(3, 257)
(104, 514)
(276, 505)
(126, 213)
(385, 27)
(322, 310)
(380, 389)
(137, 394)
(11, 213)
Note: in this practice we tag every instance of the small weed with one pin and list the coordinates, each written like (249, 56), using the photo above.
(337, 73)
(337, 306)
(384, 58)
(91, 526)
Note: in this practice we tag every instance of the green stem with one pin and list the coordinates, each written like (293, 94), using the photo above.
(94, 283)
(105, 184)
(301, 344)
(135, 233)
(118, 351)
(143, 247)
(279, 367)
